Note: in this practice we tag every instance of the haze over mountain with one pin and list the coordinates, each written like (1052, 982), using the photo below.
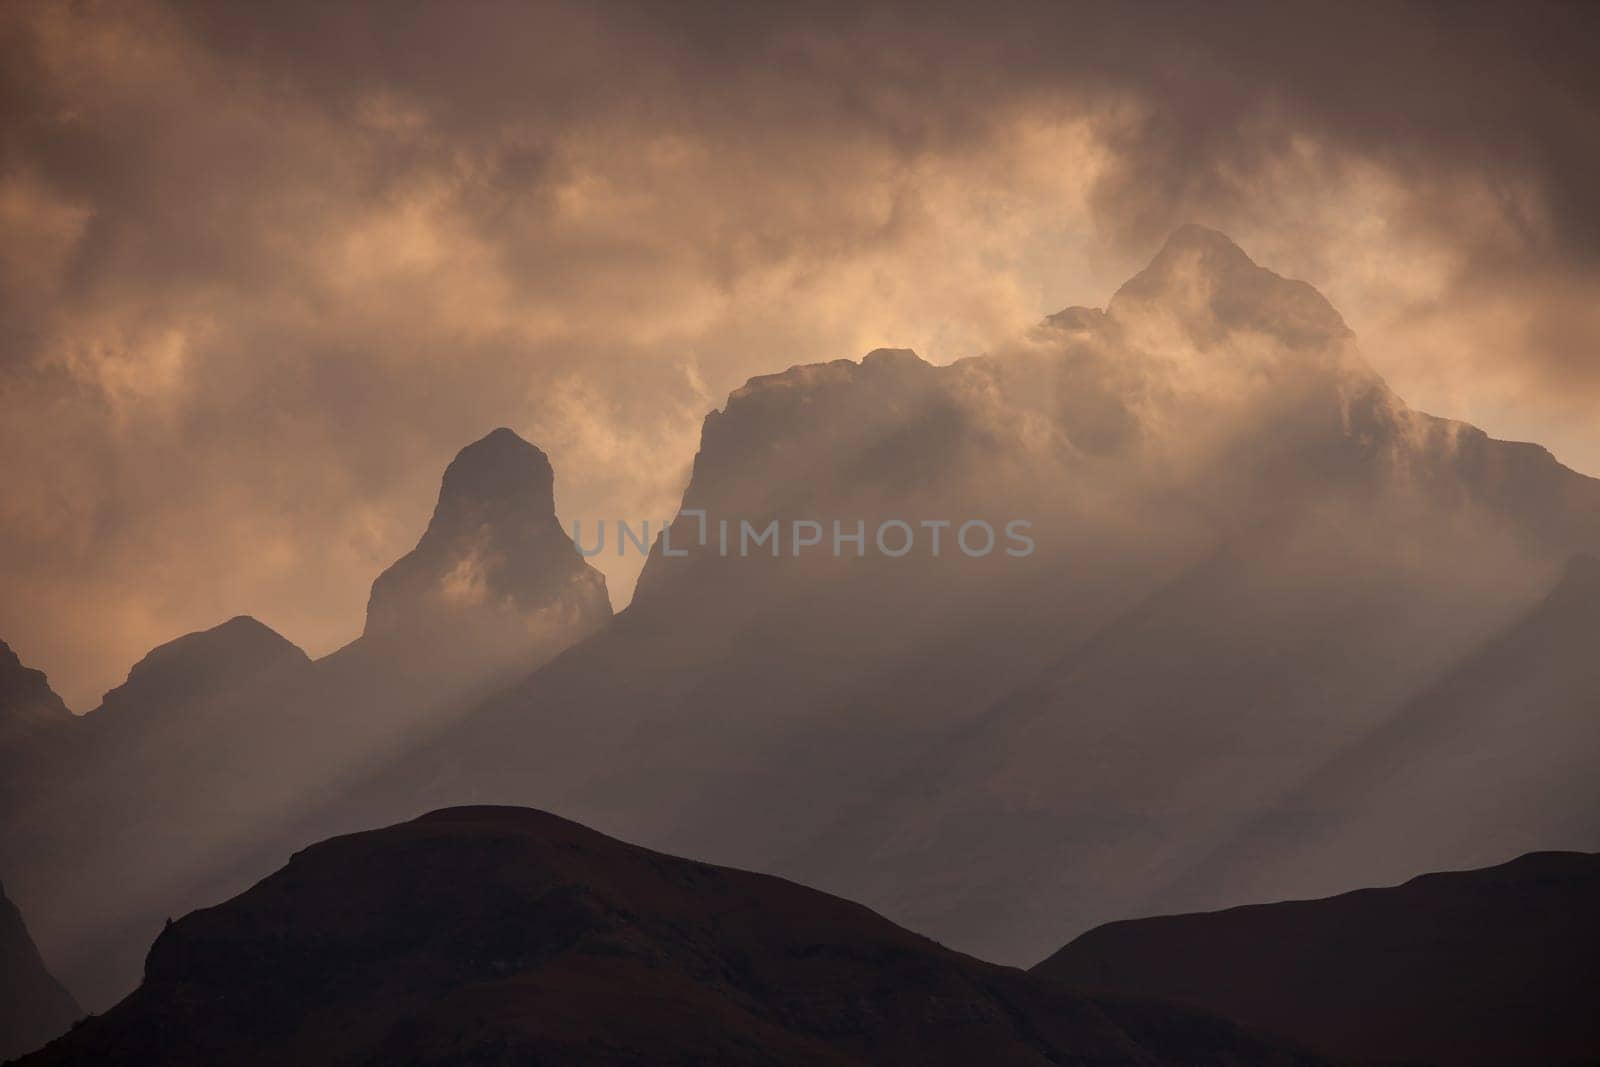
(32, 719)
(503, 935)
(218, 738)
(28, 706)
(1251, 556)
(1247, 557)
(33, 1006)
(1491, 966)
(1494, 758)
(495, 578)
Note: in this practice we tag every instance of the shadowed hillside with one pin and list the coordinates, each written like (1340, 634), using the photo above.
(500, 936)
(33, 1006)
(1492, 966)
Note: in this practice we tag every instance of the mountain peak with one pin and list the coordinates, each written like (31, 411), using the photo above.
(198, 663)
(890, 358)
(1207, 284)
(1192, 237)
(26, 700)
(498, 476)
(493, 552)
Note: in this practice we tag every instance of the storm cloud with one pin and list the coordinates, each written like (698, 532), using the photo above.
(266, 267)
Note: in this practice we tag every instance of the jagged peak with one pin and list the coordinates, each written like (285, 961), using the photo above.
(26, 698)
(500, 472)
(879, 365)
(1194, 237)
(493, 545)
(1204, 280)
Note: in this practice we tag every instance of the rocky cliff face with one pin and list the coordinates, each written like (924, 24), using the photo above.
(28, 706)
(34, 726)
(1250, 553)
(494, 562)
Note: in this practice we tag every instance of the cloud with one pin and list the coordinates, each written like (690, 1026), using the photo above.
(268, 266)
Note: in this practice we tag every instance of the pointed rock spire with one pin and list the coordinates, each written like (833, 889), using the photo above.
(494, 559)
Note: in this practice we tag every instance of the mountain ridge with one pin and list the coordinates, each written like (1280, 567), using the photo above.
(500, 935)
(1483, 966)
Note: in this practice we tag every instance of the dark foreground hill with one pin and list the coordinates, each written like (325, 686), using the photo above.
(505, 935)
(1493, 966)
(33, 1006)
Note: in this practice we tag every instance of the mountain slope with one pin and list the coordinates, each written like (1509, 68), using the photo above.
(499, 935)
(28, 706)
(1250, 555)
(33, 1006)
(495, 577)
(177, 789)
(1495, 756)
(34, 725)
(1488, 966)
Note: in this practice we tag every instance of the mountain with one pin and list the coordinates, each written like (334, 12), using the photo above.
(503, 935)
(197, 666)
(1488, 966)
(494, 573)
(1247, 556)
(1493, 758)
(28, 706)
(1004, 649)
(128, 793)
(179, 787)
(34, 723)
(33, 1006)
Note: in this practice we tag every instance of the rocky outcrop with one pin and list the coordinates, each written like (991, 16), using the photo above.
(494, 565)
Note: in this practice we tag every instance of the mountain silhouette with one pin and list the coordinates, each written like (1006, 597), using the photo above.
(217, 740)
(34, 723)
(1494, 758)
(1489, 966)
(1251, 556)
(504, 935)
(493, 561)
(196, 668)
(33, 1006)
(28, 706)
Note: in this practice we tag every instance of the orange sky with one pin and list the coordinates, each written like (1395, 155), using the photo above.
(265, 270)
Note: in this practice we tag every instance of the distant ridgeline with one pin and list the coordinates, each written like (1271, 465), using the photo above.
(1274, 635)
